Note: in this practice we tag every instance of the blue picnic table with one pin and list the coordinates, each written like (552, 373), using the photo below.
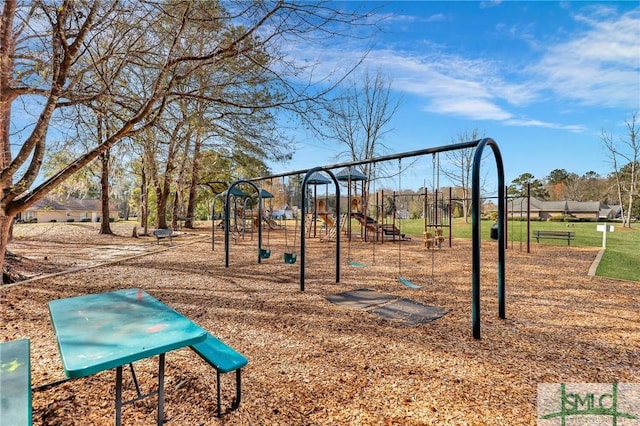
(15, 383)
(98, 332)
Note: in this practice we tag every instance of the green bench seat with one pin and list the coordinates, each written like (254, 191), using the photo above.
(224, 359)
(15, 383)
(562, 235)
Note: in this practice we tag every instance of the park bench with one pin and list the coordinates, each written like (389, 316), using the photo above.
(224, 359)
(15, 382)
(558, 235)
(163, 233)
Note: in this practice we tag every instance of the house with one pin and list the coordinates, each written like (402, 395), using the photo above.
(544, 210)
(403, 214)
(611, 212)
(584, 209)
(517, 208)
(285, 212)
(66, 209)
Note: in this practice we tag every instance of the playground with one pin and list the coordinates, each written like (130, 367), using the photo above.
(314, 361)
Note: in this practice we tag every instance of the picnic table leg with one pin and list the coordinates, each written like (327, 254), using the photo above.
(161, 390)
(135, 380)
(236, 403)
(119, 396)
(219, 394)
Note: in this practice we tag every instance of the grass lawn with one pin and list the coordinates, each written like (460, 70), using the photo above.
(621, 259)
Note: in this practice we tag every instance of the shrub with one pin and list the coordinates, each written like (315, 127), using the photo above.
(563, 218)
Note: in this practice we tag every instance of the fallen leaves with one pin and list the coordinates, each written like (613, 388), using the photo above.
(314, 363)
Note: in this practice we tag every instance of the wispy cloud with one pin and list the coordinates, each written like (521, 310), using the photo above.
(601, 66)
(474, 109)
(438, 17)
(402, 18)
(453, 85)
(491, 3)
(576, 128)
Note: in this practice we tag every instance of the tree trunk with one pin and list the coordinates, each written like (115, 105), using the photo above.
(191, 204)
(161, 207)
(105, 226)
(144, 204)
(5, 226)
(629, 210)
(195, 170)
(175, 210)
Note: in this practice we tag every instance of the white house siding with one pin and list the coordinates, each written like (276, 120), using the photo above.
(66, 210)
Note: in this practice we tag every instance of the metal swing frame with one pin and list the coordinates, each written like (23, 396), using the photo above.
(480, 145)
(227, 214)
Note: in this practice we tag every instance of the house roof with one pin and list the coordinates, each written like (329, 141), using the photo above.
(520, 203)
(68, 203)
(583, 206)
(537, 205)
(554, 206)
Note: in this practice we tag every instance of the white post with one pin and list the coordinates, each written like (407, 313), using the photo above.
(604, 229)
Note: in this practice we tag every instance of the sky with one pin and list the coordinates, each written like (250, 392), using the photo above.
(543, 79)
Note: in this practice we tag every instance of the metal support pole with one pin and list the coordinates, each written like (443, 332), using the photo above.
(475, 235)
(450, 218)
(161, 389)
(302, 227)
(118, 420)
(227, 211)
(528, 217)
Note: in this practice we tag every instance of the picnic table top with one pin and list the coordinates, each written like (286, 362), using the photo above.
(98, 332)
(15, 382)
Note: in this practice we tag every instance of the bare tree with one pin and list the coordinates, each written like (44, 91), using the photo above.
(359, 120)
(625, 158)
(458, 171)
(61, 54)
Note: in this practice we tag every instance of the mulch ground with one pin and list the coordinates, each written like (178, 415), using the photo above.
(313, 362)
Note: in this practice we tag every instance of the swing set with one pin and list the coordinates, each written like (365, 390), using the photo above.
(354, 205)
(262, 252)
(265, 253)
(479, 145)
(290, 256)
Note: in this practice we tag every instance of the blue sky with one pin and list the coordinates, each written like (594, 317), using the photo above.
(541, 78)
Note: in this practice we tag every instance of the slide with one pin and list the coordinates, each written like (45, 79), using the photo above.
(328, 219)
(271, 222)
